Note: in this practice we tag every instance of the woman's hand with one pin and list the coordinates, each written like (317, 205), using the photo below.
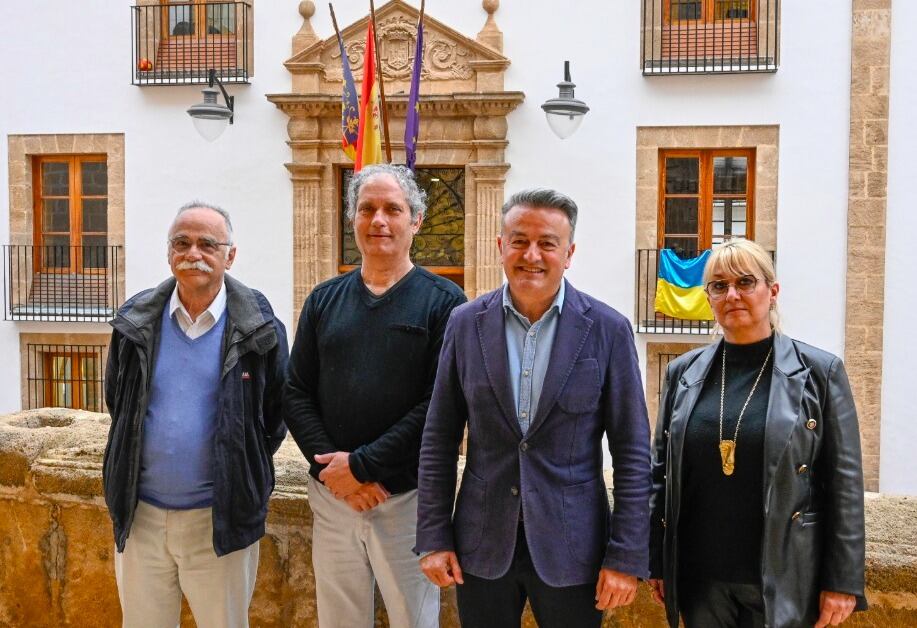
(834, 608)
(658, 588)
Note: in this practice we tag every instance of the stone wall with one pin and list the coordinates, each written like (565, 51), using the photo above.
(871, 49)
(56, 545)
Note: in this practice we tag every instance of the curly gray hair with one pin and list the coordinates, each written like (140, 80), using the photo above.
(415, 197)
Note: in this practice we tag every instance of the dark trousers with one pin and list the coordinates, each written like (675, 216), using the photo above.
(714, 604)
(499, 603)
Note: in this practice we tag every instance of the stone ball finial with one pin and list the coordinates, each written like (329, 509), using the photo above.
(307, 9)
(491, 6)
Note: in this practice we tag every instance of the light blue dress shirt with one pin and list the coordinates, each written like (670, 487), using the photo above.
(528, 347)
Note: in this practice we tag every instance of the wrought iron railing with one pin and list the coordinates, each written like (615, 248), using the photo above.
(64, 376)
(61, 283)
(178, 43)
(710, 36)
(646, 319)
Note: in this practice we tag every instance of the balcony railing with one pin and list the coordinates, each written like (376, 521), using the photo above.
(710, 36)
(61, 283)
(177, 43)
(647, 320)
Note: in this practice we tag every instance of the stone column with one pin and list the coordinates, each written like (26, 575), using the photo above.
(866, 220)
(309, 241)
(483, 270)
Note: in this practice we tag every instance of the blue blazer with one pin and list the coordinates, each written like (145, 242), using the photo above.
(554, 473)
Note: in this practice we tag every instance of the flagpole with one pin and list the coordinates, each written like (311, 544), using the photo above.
(334, 20)
(388, 143)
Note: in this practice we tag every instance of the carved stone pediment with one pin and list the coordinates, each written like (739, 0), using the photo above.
(463, 122)
(451, 60)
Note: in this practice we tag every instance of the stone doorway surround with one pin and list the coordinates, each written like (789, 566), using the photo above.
(463, 109)
(654, 354)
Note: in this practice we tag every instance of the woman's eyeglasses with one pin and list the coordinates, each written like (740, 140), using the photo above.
(745, 284)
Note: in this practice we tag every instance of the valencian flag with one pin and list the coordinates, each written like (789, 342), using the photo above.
(350, 112)
(412, 124)
(680, 287)
(369, 139)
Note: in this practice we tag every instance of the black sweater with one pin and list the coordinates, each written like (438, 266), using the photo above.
(722, 516)
(361, 373)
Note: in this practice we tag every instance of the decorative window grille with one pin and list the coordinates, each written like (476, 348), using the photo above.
(65, 376)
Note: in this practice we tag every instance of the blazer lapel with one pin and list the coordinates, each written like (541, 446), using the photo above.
(689, 387)
(783, 406)
(572, 330)
(492, 336)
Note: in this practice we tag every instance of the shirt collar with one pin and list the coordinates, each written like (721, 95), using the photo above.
(558, 299)
(215, 309)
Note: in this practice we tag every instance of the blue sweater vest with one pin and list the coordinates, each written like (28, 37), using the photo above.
(180, 422)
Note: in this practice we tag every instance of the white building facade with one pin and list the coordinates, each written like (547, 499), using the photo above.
(813, 134)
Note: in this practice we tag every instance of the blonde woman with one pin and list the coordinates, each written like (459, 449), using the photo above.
(757, 475)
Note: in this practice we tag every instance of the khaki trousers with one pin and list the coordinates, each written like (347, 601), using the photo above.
(170, 552)
(353, 551)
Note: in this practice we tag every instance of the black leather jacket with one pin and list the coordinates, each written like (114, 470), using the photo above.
(249, 423)
(813, 482)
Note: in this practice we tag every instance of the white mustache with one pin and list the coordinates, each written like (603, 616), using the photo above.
(200, 265)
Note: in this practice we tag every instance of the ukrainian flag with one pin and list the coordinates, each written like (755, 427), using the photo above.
(680, 287)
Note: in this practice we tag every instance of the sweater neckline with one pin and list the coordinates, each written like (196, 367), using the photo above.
(373, 300)
(747, 354)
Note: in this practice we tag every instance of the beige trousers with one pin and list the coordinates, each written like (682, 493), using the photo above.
(170, 552)
(353, 551)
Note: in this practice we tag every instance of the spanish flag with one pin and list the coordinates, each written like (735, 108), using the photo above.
(369, 138)
(680, 287)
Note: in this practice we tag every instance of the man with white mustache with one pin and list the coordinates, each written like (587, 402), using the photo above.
(534, 373)
(193, 384)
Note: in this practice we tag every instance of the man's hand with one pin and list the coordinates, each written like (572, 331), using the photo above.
(834, 608)
(442, 568)
(367, 497)
(337, 475)
(614, 589)
(658, 587)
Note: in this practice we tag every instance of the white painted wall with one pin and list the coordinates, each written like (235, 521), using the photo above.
(66, 69)
(72, 75)
(898, 464)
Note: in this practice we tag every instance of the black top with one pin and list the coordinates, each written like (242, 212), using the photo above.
(722, 517)
(362, 369)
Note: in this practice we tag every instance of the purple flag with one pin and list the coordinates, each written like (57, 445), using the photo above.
(412, 123)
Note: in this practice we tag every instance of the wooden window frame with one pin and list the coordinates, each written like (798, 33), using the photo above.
(199, 9)
(456, 274)
(705, 192)
(76, 380)
(708, 9)
(75, 198)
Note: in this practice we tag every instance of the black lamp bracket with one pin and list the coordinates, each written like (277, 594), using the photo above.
(230, 100)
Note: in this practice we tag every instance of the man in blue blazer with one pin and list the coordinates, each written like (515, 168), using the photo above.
(538, 372)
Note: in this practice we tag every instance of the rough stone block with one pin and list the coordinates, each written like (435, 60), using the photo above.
(868, 108)
(873, 24)
(875, 132)
(877, 186)
(56, 549)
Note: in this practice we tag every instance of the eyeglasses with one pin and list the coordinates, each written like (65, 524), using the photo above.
(208, 246)
(745, 284)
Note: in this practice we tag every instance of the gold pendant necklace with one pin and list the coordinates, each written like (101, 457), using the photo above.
(728, 447)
